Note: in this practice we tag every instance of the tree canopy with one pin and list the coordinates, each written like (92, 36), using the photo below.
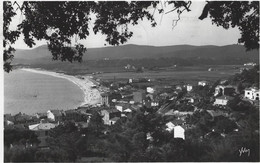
(60, 22)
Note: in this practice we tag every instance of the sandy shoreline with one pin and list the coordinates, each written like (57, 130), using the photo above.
(91, 96)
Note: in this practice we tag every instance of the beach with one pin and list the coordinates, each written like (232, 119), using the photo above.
(91, 95)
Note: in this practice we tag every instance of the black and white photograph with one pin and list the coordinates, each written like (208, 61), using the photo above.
(130, 81)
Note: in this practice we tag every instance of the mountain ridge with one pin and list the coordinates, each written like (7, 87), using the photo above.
(131, 51)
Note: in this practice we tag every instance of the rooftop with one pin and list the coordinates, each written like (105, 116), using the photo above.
(111, 110)
(225, 98)
(42, 126)
(114, 119)
(56, 112)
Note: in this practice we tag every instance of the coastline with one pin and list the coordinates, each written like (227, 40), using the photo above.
(91, 95)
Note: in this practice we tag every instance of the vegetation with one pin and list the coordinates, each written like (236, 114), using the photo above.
(144, 138)
(112, 20)
(248, 78)
(19, 137)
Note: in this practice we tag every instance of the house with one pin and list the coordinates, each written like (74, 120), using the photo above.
(120, 107)
(169, 126)
(203, 83)
(42, 130)
(125, 109)
(104, 99)
(189, 87)
(108, 114)
(216, 113)
(150, 90)
(22, 118)
(180, 114)
(42, 126)
(8, 123)
(178, 87)
(8, 120)
(250, 64)
(114, 120)
(179, 132)
(252, 93)
(227, 90)
(55, 115)
(76, 116)
(222, 100)
(41, 115)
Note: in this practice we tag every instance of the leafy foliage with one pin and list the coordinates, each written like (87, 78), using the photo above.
(241, 14)
(248, 77)
(9, 36)
(19, 137)
(59, 23)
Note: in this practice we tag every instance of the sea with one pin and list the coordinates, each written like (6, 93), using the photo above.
(31, 93)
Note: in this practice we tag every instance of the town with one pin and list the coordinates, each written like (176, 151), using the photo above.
(138, 118)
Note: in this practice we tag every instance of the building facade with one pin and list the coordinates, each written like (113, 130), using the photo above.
(223, 100)
(252, 93)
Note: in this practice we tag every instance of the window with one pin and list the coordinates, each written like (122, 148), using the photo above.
(248, 93)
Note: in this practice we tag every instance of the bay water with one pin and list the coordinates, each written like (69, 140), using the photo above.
(30, 93)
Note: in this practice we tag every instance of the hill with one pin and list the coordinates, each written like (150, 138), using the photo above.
(41, 55)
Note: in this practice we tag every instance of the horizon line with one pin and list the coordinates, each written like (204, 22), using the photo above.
(135, 45)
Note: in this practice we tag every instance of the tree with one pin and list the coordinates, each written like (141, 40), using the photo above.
(224, 125)
(19, 137)
(96, 124)
(18, 154)
(64, 139)
(241, 14)
(42, 21)
(240, 87)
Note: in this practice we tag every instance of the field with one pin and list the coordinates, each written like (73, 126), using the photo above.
(184, 74)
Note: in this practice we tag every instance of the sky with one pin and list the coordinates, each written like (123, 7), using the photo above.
(189, 30)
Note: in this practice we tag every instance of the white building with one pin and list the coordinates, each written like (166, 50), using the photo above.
(203, 83)
(42, 126)
(150, 90)
(189, 88)
(119, 107)
(250, 64)
(252, 93)
(54, 115)
(222, 100)
(170, 126)
(155, 103)
(42, 132)
(179, 132)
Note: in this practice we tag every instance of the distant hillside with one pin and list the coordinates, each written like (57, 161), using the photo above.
(41, 55)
